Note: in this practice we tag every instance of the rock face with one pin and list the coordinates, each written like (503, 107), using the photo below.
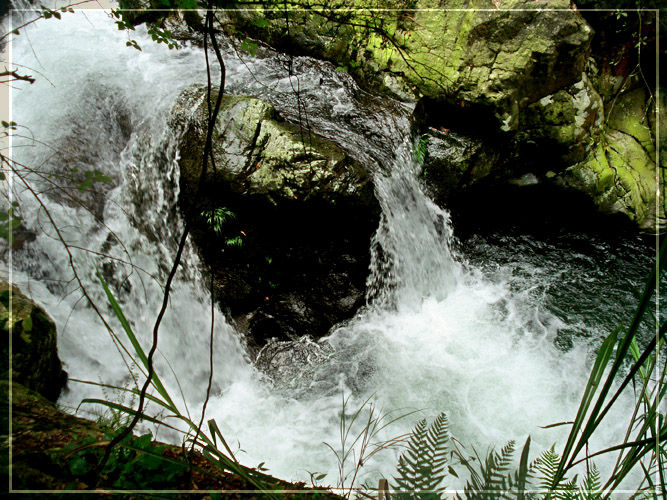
(514, 73)
(303, 215)
(537, 81)
(620, 174)
(257, 155)
(35, 362)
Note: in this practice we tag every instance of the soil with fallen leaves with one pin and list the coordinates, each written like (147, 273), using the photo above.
(52, 452)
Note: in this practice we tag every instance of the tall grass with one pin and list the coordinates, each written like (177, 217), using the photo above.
(212, 443)
(620, 366)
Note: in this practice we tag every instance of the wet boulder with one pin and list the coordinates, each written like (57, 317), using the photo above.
(258, 155)
(34, 350)
(453, 161)
(292, 254)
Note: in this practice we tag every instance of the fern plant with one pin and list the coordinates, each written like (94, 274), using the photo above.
(494, 480)
(218, 218)
(421, 467)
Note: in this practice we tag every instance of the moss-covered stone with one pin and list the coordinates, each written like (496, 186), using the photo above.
(620, 177)
(630, 114)
(305, 214)
(570, 119)
(34, 351)
(259, 155)
(482, 52)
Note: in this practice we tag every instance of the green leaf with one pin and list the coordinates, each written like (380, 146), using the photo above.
(260, 23)
(135, 343)
(83, 185)
(79, 466)
(143, 441)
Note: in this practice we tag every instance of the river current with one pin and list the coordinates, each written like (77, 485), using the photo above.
(496, 328)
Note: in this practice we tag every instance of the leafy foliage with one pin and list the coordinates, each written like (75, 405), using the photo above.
(137, 463)
(218, 218)
(90, 178)
(421, 467)
(420, 148)
(493, 479)
(9, 220)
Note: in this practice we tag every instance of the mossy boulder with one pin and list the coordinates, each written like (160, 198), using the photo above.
(568, 120)
(503, 55)
(632, 113)
(620, 173)
(31, 335)
(620, 176)
(259, 155)
(304, 216)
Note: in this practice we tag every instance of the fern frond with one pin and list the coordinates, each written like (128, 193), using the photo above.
(591, 489)
(493, 480)
(437, 438)
(547, 465)
(421, 467)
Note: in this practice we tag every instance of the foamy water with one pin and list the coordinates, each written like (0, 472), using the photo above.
(438, 335)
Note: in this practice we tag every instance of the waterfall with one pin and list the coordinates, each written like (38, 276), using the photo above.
(437, 335)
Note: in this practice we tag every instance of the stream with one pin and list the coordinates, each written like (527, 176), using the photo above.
(497, 327)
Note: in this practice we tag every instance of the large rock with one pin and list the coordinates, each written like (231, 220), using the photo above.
(305, 214)
(258, 155)
(531, 79)
(620, 173)
(568, 120)
(452, 162)
(34, 350)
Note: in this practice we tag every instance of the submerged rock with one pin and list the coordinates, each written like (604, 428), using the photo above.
(34, 350)
(303, 216)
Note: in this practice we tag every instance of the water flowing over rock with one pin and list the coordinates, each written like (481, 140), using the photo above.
(490, 330)
(295, 195)
(517, 73)
(34, 350)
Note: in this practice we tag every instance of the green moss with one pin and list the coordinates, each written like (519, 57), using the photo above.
(630, 116)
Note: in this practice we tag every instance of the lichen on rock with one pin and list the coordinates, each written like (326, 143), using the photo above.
(620, 176)
(259, 155)
(570, 119)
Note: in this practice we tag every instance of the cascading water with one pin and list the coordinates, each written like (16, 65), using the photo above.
(438, 335)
